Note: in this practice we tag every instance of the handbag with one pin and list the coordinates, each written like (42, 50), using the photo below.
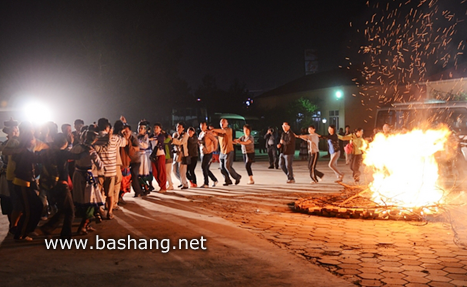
(348, 148)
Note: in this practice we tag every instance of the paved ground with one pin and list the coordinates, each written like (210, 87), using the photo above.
(254, 238)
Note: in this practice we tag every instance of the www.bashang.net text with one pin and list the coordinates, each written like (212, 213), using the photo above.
(128, 243)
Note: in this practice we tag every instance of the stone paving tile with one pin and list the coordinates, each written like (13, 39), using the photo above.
(370, 276)
(433, 266)
(415, 285)
(429, 260)
(348, 271)
(412, 268)
(427, 255)
(411, 262)
(390, 263)
(438, 278)
(350, 261)
(452, 264)
(396, 275)
(436, 272)
(459, 282)
(455, 270)
(440, 284)
(408, 257)
(457, 276)
(415, 273)
(370, 270)
(394, 281)
(390, 258)
(369, 264)
(415, 279)
(370, 283)
(391, 269)
(370, 260)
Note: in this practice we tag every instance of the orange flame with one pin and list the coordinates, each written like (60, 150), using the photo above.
(405, 170)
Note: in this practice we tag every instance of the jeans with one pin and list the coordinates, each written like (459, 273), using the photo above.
(272, 154)
(333, 163)
(312, 161)
(355, 163)
(190, 173)
(285, 162)
(205, 164)
(226, 162)
(134, 170)
(248, 159)
(179, 170)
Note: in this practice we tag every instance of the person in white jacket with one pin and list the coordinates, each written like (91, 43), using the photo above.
(180, 140)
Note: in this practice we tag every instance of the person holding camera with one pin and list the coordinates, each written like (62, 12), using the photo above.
(270, 142)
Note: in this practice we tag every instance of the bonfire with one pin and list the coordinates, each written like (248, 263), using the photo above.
(405, 182)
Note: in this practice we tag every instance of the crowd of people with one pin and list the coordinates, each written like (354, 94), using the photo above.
(56, 176)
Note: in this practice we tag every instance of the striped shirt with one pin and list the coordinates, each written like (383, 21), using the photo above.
(108, 153)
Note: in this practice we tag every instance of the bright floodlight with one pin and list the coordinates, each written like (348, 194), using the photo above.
(339, 94)
(37, 113)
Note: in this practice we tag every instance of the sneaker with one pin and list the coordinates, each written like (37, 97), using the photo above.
(291, 181)
(204, 186)
(251, 182)
(237, 181)
(214, 183)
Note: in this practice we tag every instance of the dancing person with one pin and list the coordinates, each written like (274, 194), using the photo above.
(208, 144)
(333, 148)
(227, 153)
(248, 150)
(86, 194)
(312, 140)
(180, 141)
(358, 143)
(287, 152)
(193, 153)
(158, 158)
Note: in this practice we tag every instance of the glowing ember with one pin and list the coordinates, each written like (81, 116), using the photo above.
(405, 169)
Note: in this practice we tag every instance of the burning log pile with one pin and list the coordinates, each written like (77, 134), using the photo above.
(405, 181)
(352, 203)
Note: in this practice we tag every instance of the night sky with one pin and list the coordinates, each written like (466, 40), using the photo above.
(103, 58)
